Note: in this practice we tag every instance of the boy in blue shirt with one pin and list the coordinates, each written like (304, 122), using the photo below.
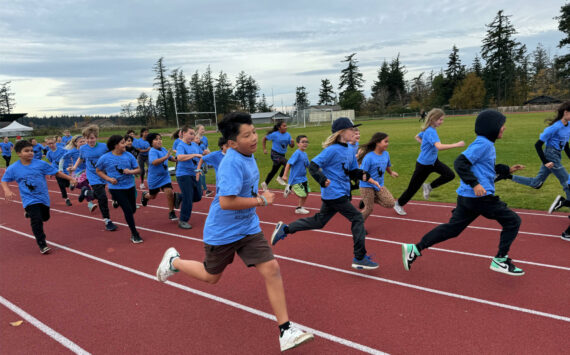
(298, 164)
(54, 155)
(213, 159)
(7, 148)
(232, 226)
(37, 148)
(30, 174)
(142, 159)
(476, 196)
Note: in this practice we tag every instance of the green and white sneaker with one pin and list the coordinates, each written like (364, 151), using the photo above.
(165, 268)
(505, 266)
(409, 253)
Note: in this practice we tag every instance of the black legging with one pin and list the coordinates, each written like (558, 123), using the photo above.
(63, 185)
(38, 214)
(421, 174)
(101, 196)
(126, 198)
(7, 158)
(278, 160)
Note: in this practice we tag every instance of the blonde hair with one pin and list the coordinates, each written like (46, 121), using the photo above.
(332, 139)
(89, 130)
(433, 115)
(73, 142)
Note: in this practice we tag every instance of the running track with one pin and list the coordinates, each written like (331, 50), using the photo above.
(96, 292)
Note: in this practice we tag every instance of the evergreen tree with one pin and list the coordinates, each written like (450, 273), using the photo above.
(224, 91)
(438, 97)
(7, 102)
(240, 92)
(499, 51)
(454, 73)
(161, 84)
(540, 59)
(563, 61)
(206, 103)
(351, 82)
(262, 105)
(380, 88)
(195, 93)
(252, 92)
(396, 82)
(477, 68)
(326, 93)
(301, 100)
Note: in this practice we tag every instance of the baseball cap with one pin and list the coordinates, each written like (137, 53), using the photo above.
(343, 123)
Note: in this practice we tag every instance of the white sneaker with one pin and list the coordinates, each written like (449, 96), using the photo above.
(281, 181)
(141, 186)
(301, 211)
(264, 186)
(165, 270)
(287, 191)
(427, 190)
(293, 337)
(399, 209)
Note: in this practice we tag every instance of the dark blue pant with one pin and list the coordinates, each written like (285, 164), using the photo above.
(467, 210)
(186, 183)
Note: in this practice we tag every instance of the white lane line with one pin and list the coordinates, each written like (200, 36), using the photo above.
(42, 327)
(209, 296)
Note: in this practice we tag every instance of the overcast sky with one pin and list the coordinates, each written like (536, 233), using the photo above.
(90, 57)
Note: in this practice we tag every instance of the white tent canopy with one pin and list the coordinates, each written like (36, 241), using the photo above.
(15, 129)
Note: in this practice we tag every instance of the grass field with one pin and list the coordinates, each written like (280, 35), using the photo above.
(517, 146)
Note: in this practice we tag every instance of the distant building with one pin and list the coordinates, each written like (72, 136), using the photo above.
(268, 117)
(542, 100)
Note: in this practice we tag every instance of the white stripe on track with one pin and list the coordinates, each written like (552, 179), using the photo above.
(42, 327)
(209, 296)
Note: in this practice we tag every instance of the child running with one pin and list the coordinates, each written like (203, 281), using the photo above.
(427, 161)
(158, 177)
(67, 162)
(555, 136)
(232, 226)
(38, 149)
(143, 147)
(90, 154)
(375, 160)
(201, 175)
(54, 155)
(214, 159)
(476, 196)
(187, 151)
(298, 164)
(116, 167)
(7, 148)
(355, 141)
(281, 139)
(339, 167)
(30, 174)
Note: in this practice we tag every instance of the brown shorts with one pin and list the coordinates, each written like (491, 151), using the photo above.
(253, 249)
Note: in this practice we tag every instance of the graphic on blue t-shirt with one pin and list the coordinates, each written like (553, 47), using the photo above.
(556, 135)
(280, 141)
(336, 161)
(375, 165)
(237, 175)
(90, 155)
(114, 165)
(31, 180)
(299, 162)
(38, 151)
(481, 153)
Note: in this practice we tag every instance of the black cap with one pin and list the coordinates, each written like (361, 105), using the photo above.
(343, 123)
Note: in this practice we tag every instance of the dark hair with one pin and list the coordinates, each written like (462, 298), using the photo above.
(144, 129)
(176, 134)
(151, 137)
(128, 137)
(130, 131)
(229, 126)
(184, 129)
(21, 145)
(371, 145)
(299, 137)
(113, 141)
(221, 142)
(276, 126)
(560, 113)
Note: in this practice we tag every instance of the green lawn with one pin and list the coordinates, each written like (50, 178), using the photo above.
(517, 146)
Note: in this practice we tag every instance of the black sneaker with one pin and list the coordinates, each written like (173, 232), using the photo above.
(177, 200)
(144, 201)
(558, 202)
(566, 237)
(110, 226)
(115, 204)
(361, 205)
(136, 239)
(45, 249)
(71, 187)
(172, 216)
(26, 215)
(68, 202)
(409, 253)
(82, 194)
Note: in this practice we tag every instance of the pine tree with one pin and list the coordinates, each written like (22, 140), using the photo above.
(161, 84)
(540, 59)
(224, 91)
(396, 82)
(351, 82)
(252, 92)
(195, 94)
(206, 103)
(563, 61)
(262, 106)
(477, 68)
(326, 93)
(7, 102)
(301, 100)
(383, 82)
(240, 92)
(454, 73)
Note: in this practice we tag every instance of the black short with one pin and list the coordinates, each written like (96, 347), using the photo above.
(158, 189)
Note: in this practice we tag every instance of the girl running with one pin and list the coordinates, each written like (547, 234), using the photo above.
(116, 168)
(186, 175)
(281, 139)
(298, 164)
(333, 169)
(427, 161)
(80, 175)
(201, 175)
(375, 160)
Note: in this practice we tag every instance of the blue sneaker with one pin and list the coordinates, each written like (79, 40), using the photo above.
(364, 264)
(409, 253)
(505, 266)
(110, 226)
(278, 233)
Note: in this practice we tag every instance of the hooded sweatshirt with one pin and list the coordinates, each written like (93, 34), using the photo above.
(476, 165)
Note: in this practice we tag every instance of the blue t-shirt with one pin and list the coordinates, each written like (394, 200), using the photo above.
(375, 165)
(141, 143)
(60, 145)
(556, 135)
(158, 175)
(299, 162)
(38, 151)
(176, 143)
(90, 156)
(187, 167)
(7, 149)
(204, 142)
(31, 180)
(214, 159)
(481, 153)
(335, 161)
(280, 141)
(112, 165)
(69, 159)
(66, 139)
(237, 176)
(428, 151)
(54, 156)
(354, 146)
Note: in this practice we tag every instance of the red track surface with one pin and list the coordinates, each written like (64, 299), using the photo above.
(106, 300)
